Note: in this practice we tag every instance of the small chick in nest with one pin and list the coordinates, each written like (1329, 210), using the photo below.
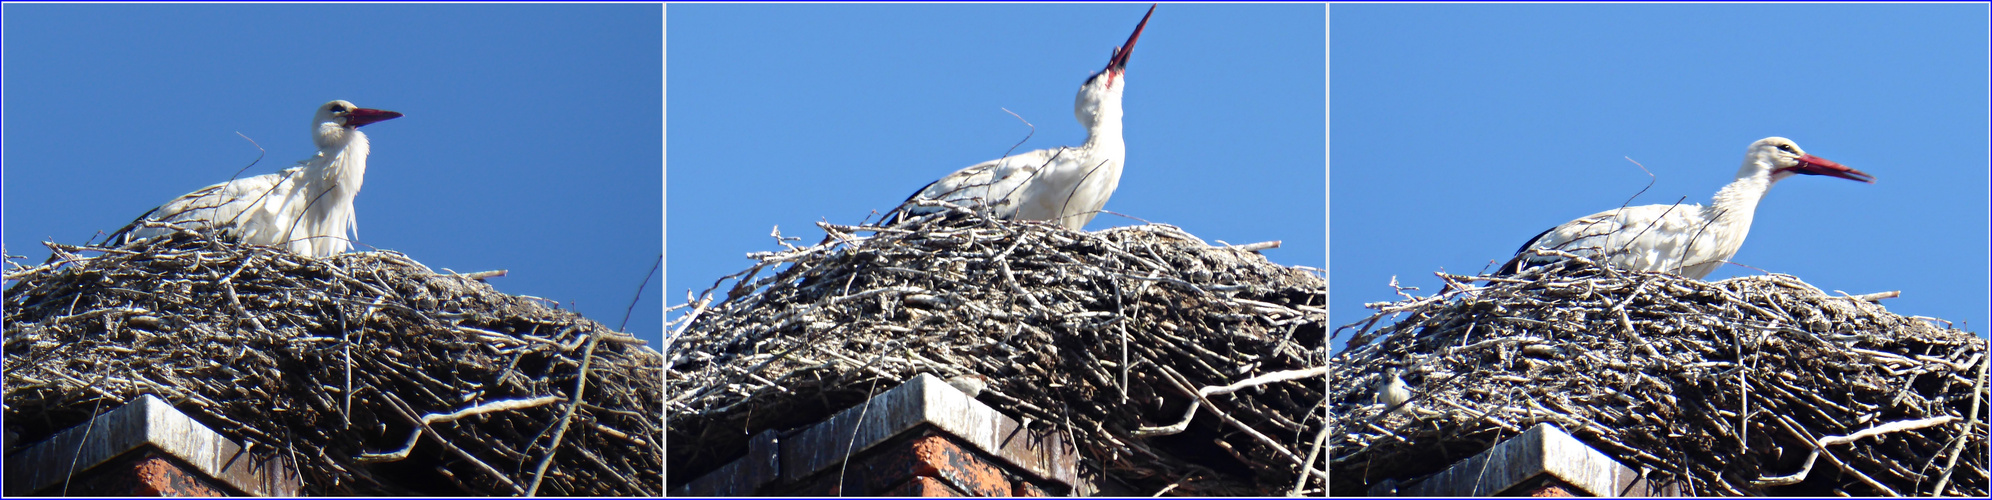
(970, 384)
(1393, 393)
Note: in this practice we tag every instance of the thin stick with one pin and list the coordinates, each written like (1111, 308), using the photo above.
(624, 326)
(1957, 450)
(437, 418)
(580, 387)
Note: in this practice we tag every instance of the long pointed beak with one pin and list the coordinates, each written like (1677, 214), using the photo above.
(1813, 165)
(1119, 61)
(362, 116)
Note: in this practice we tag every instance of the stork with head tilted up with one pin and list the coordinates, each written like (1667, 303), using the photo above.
(307, 209)
(1067, 185)
(1689, 240)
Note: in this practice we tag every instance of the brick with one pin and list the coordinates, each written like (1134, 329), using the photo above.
(926, 454)
(1548, 487)
(1550, 490)
(926, 403)
(934, 455)
(145, 473)
(923, 486)
(1025, 488)
(146, 424)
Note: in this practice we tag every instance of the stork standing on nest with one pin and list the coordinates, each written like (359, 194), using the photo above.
(307, 209)
(1067, 185)
(1689, 240)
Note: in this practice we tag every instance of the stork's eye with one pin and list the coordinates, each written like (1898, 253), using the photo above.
(336, 108)
(1786, 148)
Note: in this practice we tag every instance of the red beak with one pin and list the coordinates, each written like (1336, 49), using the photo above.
(1813, 165)
(1119, 61)
(362, 116)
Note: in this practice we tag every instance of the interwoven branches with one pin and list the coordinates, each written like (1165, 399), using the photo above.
(1752, 385)
(371, 373)
(1110, 335)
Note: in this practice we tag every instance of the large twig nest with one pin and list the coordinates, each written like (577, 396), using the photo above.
(1723, 388)
(1098, 334)
(330, 364)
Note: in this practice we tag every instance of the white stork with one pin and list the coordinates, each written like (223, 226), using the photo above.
(1689, 240)
(1068, 185)
(307, 209)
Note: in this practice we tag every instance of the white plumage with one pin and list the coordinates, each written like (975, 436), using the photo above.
(1393, 393)
(1068, 185)
(307, 209)
(1689, 240)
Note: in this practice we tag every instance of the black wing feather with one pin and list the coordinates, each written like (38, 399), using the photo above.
(1517, 264)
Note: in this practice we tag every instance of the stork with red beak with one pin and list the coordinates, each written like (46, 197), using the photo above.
(1067, 185)
(307, 209)
(1689, 240)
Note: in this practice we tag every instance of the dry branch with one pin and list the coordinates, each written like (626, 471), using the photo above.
(325, 362)
(1099, 334)
(1722, 388)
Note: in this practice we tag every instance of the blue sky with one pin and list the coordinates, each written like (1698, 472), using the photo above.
(785, 115)
(531, 141)
(1460, 131)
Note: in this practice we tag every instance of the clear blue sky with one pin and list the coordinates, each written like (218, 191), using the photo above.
(785, 115)
(531, 141)
(1460, 131)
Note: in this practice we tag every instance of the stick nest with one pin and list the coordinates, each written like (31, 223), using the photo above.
(330, 364)
(1094, 334)
(1724, 388)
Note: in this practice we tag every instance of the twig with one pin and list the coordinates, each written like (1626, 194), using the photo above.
(1956, 451)
(1873, 297)
(1300, 480)
(1254, 247)
(567, 417)
(844, 466)
(437, 418)
(1182, 384)
(638, 297)
(957, 292)
(167, 315)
